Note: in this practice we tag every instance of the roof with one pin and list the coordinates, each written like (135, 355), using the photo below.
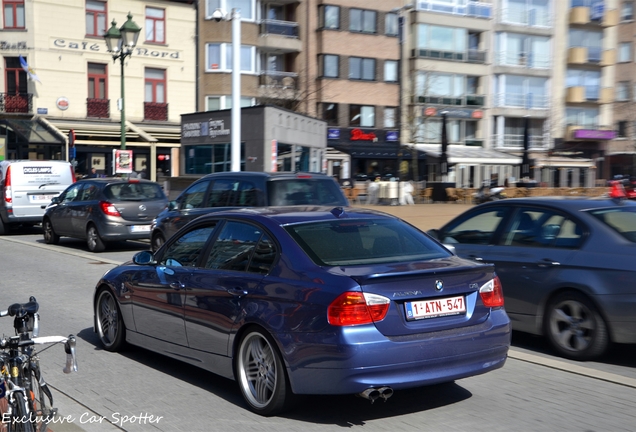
(459, 154)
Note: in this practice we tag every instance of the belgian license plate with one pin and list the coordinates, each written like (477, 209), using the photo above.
(435, 308)
(139, 228)
(41, 198)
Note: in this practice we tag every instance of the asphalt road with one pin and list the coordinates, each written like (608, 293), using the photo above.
(138, 390)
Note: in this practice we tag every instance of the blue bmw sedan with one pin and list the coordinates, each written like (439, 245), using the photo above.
(315, 300)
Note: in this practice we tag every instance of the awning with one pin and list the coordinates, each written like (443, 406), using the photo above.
(470, 155)
(376, 151)
(32, 131)
(563, 162)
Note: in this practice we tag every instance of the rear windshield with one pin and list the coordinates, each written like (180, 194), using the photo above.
(351, 242)
(305, 191)
(620, 219)
(134, 192)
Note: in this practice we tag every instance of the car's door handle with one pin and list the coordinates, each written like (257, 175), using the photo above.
(177, 286)
(238, 292)
(475, 257)
(548, 263)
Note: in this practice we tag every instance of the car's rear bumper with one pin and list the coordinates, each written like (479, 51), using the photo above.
(360, 358)
(119, 231)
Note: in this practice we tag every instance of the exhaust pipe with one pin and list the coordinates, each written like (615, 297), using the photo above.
(373, 394)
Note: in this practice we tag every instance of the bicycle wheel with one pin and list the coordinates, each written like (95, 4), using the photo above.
(20, 420)
(40, 397)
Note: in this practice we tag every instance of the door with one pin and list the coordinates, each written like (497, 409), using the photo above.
(232, 271)
(191, 204)
(158, 294)
(62, 216)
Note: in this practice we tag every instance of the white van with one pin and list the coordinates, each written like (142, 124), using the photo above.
(26, 188)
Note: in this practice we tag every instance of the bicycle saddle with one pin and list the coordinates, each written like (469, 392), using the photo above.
(24, 309)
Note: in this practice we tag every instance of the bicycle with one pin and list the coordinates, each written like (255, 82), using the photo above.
(28, 398)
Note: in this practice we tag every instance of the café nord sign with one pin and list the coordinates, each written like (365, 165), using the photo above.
(100, 47)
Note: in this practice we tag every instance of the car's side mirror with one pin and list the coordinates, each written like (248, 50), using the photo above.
(144, 258)
(173, 205)
(55, 200)
(433, 233)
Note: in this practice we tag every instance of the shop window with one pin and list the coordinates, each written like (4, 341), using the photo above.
(95, 18)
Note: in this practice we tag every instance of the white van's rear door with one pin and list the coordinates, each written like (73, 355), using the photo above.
(35, 183)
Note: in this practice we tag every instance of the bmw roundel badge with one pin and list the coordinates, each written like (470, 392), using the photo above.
(439, 285)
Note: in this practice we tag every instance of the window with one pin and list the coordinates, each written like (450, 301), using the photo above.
(361, 69)
(216, 103)
(15, 77)
(390, 70)
(95, 18)
(627, 11)
(330, 66)
(625, 52)
(586, 117)
(331, 17)
(13, 14)
(330, 114)
(441, 38)
(589, 79)
(622, 129)
(155, 25)
(362, 21)
(389, 117)
(234, 247)
(516, 49)
(622, 91)
(246, 7)
(542, 228)
(219, 58)
(391, 24)
(194, 195)
(155, 85)
(97, 80)
(363, 116)
(185, 251)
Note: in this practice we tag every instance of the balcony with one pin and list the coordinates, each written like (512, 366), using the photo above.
(515, 141)
(472, 9)
(524, 59)
(521, 100)
(466, 100)
(155, 111)
(276, 79)
(16, 103)
(582, 14)
(525, 17)
(276, 35)
(98, 108)
(470, 56)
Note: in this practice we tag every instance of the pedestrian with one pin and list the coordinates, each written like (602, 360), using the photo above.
(406, 197)
(93, 173)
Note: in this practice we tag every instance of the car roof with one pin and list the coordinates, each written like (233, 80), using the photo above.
(564, 202)
(267, 175)
(115, 180)
(299, 214)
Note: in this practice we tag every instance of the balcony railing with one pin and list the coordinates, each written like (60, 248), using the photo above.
(466, 100)
(16, 103)
(281, 28)
(525, 17)
(472, 9)
(515, 141)
(470, 56)
(284, 80)
(524, 59)
(521, 100)
(155, 111)
(99, 108)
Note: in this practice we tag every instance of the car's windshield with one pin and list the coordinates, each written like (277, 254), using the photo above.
(620, 219)
(305, 191)
(134, 192)
(352, 242)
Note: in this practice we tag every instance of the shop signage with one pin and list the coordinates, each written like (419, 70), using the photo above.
(210, 128)
(333, 134)
(62, 103)
(594, 134)
(12, 46)
(392, 136)
(123, 161)
(43, 110)
(358, 135)
(462, 113)
(101, 47)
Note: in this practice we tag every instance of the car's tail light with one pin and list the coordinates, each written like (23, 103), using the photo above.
(492, 293)
(72, 174)
(108, 208)
(354, 308)
(617, 190)
(8, 197)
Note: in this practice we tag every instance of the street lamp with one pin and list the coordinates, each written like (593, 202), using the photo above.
(121, 42)
(235, 129)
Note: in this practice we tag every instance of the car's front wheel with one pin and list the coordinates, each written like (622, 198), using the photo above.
(157, 241)
(110, 326)
(575, 328)
(50, 237)
(93, 240)
(261, 375)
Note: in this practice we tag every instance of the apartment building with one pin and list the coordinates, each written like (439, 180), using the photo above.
(59, 81)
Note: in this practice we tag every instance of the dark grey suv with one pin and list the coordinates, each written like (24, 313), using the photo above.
(101, 210)
(220, 191)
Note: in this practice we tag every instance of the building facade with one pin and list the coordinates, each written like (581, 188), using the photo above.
(60, 81)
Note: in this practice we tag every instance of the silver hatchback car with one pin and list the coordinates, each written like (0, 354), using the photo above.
(102, 210)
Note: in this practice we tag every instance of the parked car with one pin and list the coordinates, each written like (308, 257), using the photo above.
(220, 191)
(308, 300)
(102, 210)
(566, 265)
(27, 187)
